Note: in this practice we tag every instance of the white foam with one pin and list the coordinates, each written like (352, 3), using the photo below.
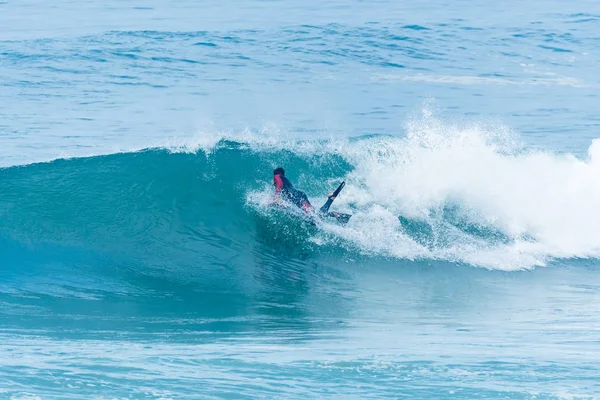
(553, 198)
(546, 205)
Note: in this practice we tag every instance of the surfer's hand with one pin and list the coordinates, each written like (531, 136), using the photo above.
(331, 196)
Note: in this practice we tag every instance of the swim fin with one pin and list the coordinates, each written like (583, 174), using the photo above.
(325, 208)
(340, 218)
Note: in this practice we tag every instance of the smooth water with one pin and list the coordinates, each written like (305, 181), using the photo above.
(139, 259)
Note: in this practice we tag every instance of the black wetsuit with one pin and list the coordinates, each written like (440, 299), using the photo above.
(285, 189)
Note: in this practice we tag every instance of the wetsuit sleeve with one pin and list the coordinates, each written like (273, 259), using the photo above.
(278, 184)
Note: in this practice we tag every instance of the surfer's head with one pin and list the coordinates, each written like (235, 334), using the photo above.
(279, 171)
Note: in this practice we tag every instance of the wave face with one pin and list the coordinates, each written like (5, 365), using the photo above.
(466, 194)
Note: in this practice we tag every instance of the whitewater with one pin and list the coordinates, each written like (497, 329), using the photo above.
(139, 254)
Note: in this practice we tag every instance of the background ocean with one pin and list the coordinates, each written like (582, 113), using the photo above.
(138, 259)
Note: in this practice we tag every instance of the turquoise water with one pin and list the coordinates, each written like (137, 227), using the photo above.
(139, 259)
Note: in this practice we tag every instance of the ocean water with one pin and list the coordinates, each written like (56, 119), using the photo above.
(139, 258)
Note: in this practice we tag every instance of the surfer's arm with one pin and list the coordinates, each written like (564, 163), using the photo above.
(278, 188)
(278, 184)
